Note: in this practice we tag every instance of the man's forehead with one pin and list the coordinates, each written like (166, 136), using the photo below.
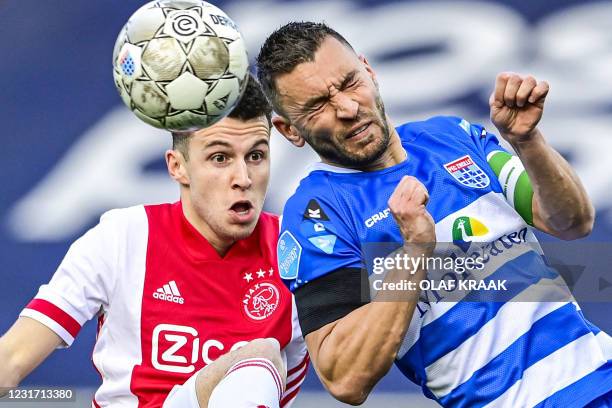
(234, 131)
(333, 61)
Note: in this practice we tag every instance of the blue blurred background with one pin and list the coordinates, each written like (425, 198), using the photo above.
(73, 150)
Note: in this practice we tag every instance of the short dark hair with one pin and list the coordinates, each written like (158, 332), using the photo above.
(286, 48)
(253, 104)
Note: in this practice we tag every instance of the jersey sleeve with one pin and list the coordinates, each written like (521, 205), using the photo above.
(82, 284)
(508, 169)
(319, 258)
(314, 241)
(297, 360)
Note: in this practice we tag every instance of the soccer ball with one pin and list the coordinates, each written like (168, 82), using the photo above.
(180, 64)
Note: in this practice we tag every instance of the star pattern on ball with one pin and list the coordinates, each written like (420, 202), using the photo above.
(188, 67)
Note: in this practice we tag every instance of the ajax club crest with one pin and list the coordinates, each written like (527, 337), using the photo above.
(261, 298)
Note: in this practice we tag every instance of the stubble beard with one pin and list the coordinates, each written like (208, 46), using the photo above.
(333, 151)
(223, 230)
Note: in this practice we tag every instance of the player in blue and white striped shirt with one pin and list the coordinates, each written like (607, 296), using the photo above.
(442, 180)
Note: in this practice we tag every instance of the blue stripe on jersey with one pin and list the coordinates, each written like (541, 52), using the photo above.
(547, 335)
(592, 327)
(465, 318)
(583, 391)
(417, 378)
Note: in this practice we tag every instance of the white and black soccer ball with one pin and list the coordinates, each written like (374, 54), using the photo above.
(180, 64)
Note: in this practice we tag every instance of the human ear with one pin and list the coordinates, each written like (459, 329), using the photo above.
(288, 131)
(177, 166)
(368, 68)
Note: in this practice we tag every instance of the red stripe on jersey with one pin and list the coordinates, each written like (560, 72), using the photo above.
(263, 364)
(299, 366)
(296, 382)
(297, 379)
(56, 314)
(289, 397)
(96, 404)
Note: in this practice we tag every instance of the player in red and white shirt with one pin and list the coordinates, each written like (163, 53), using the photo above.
(191, 310)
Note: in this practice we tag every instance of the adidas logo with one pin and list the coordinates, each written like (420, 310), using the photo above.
(170, 293)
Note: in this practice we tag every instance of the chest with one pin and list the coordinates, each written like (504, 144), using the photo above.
(458, 184)
(192, 312)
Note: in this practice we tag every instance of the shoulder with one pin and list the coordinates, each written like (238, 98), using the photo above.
(124, 220)
(269, 225)
(446, 135)
(116, 227)
(436, 126)
(316, 186)
(122, 215)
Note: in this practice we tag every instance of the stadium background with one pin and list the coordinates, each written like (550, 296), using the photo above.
(72, 151)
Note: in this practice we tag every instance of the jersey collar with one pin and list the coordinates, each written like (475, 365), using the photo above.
(198, 247)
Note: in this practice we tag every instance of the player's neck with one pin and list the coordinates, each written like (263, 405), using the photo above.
(220, 245)
(394, 154)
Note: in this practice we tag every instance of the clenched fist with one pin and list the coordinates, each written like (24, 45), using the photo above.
(407, 205)
(517, 104)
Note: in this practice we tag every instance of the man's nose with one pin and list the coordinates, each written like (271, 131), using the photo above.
(346, 108)
(241, 177)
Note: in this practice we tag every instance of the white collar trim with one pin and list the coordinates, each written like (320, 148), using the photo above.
(328, 167)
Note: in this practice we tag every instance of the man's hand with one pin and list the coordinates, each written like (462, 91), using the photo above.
(517, 104)
(407, 204)
(561, 206)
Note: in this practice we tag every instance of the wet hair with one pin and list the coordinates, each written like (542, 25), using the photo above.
(292, 44)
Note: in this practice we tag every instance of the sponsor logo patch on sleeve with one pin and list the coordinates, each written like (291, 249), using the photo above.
(289, 251)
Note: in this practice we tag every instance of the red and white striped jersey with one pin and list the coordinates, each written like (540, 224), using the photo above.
(167, 303)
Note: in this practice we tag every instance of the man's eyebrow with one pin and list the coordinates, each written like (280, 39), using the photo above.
(348, 79)
(315, 101)
(260, 142)
(216, 143)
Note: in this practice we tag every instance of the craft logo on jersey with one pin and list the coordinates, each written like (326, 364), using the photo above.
(261, 300)
(464, 228)
(467, 172)
(170, 293)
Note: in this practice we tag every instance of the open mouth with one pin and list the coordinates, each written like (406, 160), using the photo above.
(360, 131)
(242, 207)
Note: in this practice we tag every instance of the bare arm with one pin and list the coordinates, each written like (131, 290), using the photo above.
(353, 353)
(23, 348)
(561, 206)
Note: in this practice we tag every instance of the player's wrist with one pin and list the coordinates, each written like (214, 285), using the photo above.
(419, 249)
(531, 142)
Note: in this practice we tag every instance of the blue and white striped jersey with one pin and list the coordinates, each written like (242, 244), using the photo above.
(465, 352)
